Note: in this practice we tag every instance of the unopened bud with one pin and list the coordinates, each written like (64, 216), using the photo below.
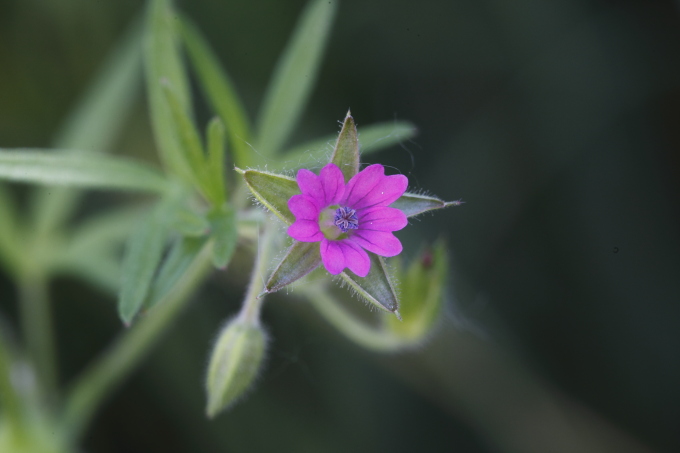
(422, 295)
(235, 361)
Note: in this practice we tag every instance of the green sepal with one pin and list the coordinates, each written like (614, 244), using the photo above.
(371, 139)
(422, 294)
(273, 191)
(377, 287)
(224, 232)
(234, 363)
(413, 204)
(301, 259)
(346, 152)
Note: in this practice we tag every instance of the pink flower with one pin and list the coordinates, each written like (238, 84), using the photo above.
(348, 219)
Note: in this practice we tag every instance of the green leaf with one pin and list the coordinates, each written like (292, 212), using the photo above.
(142, 256)
(10, 233)
(413, 204)
(346, 152)
(224, 234)
(182, 254)
(294, 76)
(190, 223)
(216, 150)
(273, 191)
(377, 287)
(219, 90)
(94, 123)
(301, 259)
(422, 294)
(190, 141)
(99, 267)
(79, 170)
(371, 139)
(164, 65)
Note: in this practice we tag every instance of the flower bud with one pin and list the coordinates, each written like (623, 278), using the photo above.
(234, 363)
(422, 294)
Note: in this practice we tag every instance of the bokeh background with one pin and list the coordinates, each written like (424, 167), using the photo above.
(556, 122)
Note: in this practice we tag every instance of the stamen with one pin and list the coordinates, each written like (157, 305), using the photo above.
(346, 219)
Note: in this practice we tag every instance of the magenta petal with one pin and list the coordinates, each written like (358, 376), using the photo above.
(332, 257)
(388, 189)
(333, 183)
(310, 185)
(305, 231)
(304, 207)
(356, 258)
(362, 183)
(381, 243)
(381, 218)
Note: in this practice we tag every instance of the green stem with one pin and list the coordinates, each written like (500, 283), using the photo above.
(104, 375)
(38, 333)
(9, 398)
(250, 311)
(358, 331)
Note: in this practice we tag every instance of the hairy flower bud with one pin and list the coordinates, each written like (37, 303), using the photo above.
(234, 363)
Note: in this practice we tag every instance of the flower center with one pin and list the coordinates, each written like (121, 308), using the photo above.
(346, 219)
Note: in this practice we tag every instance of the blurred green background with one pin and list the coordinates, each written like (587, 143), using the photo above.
(556, 122)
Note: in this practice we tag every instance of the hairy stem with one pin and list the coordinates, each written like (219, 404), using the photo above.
(250, 311)
(38, 333)
(358, 331)
(105, 374)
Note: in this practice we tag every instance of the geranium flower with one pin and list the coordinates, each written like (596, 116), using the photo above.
(348, 219)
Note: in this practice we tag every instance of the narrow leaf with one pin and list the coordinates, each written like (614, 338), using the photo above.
(180, 257)
(219, 90)
(413, 204)
(190, 142)
(216, 150)
(224, 234)
(94, 123)
(301, 259)
(376, 287)
(164, 65)
(190, 223)
(346, 152)
(79, 170)
(294, 76)
(142, 256)
(371, 139)
(273, 191)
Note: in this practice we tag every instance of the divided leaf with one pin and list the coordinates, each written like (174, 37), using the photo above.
(79, 170)
(219, 90)
(164, 65)
(301, 259)
(273, 191)
(224, 234)
(142, 255)
(294, 76)
(377, 286)
(182, 253)
(346, 152)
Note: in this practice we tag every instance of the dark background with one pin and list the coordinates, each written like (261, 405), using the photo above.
(555, 121)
